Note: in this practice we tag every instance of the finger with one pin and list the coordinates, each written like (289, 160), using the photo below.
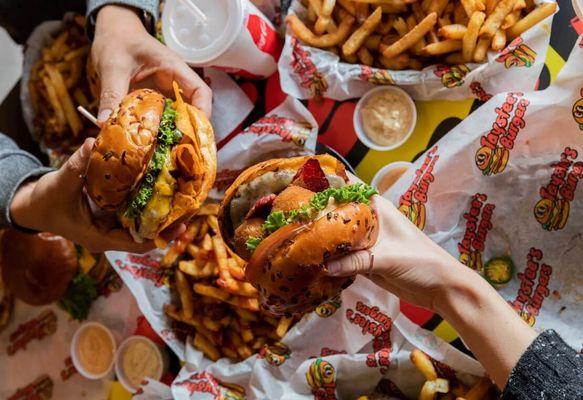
(360, 262)
(115, 82)
(72, 171)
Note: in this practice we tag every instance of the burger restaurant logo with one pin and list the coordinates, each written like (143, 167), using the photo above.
(578, 110)
(412, 203)
(552, 210)
(200, 382)
(376, 76)
(326, 351)
(370, 319)
(143, 267)
(452, 76)
(37, 328)
(321, 377)
(494, 152)
(534, 286)
(478, 224)
(288, 129)
(40, 388)
(302, 65)
(517, 54)
(69, 370)
(381, 359)
(328, 308)
(275, 354)
(479, 92)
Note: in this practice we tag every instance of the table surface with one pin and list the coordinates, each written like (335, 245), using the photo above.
(435, 119)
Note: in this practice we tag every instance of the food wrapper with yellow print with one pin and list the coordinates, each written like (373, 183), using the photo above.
(307, 72)
(502, 192)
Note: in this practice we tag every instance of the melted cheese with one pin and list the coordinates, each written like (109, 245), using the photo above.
(160, 204)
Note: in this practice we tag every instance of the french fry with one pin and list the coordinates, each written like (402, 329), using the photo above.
(365, 57)
(185, 292)
(53, 99)
(469, 41)
(400, 26)
(499, 40)
(490, 5)
(211, 291)
(510, 20)
(481, 49)
(423, 363)
(372, 42)
(348, 5)
(531, 19)
(437, 6)
(459, 15)
(455, 58)
(209, 209)
(495, 19)
(430, 389)
(519, 5)
(246, 315)
(204, 345)
(444, 21)
(328, 7)
(443, 47)
(351, 58)
(410, 38)
(358, 37)
(417, 47)
(397, 63)
(389, 2)
(385, 26)
(327, 40)
(361, 11)
(393, 9)
(71, 114)
(454, 31)
(283, 326)
(229, 353)
(415, 64)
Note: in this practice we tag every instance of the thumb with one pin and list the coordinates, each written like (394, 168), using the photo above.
(114, 86)
(73, 170)
(360, 262)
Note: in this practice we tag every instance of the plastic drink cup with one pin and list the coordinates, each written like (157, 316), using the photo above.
(233, 36)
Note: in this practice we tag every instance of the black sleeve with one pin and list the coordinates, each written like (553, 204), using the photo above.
(548, 369)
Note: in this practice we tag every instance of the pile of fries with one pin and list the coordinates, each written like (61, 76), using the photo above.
(216, 304)
(412, 34)
(58, 84)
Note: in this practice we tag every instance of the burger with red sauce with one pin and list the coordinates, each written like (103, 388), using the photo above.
(288, 218)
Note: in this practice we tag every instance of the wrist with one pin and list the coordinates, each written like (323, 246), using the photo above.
(114, 17)
(22, 210)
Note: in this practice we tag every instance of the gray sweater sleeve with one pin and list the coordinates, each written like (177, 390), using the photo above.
(548, 369)
(16, 166)
(150, 7)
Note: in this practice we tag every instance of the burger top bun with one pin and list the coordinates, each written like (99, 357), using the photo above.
(288, 267)
(37, 268)
(127, 139)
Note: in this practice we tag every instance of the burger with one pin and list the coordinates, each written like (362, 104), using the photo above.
(153, 162)
(552, 214)
(43, 268)
(288, 218)
(492, 161)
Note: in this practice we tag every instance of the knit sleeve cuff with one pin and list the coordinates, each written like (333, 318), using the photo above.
(149, 13)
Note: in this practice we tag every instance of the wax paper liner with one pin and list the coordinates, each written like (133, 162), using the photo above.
(51, 355)
(334, 332)
(307, 72)
(506, 182)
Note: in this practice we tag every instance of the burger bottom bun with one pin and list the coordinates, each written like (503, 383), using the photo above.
(288, 267)
(37, 268)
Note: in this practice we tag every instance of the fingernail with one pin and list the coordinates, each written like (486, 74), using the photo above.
(104, 114)
(333, 267)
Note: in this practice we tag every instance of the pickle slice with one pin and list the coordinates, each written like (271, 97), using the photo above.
(499, 270)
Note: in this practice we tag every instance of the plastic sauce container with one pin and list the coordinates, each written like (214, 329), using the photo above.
(386, 177)
(385, 118)
(137, 358)
(236, 37)
(93, 350)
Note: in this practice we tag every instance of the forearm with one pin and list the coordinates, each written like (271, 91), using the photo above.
(486, 323)
(150, 7)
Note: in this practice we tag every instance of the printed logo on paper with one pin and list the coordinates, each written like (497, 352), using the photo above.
(517, 54)
(478, 223)
(203, 382)
(552, 210)
(40, 388)
(328, 308)
(381, 359)
(494, 152)
(321, 377)
(289, 130)
(302, 65)
(376, 76)
(275, 354)
(326, 351)
(451, 76)
(479, 92)
(144, 267)
(578, 111)
(412, 203)
(69, 370)
(534, 287)
(37, 328)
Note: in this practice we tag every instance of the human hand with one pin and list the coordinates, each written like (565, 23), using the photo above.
(125, 56)
(406, 262)
(56, 203)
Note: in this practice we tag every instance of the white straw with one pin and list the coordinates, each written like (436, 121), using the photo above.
(87, 115)
(195, 10)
